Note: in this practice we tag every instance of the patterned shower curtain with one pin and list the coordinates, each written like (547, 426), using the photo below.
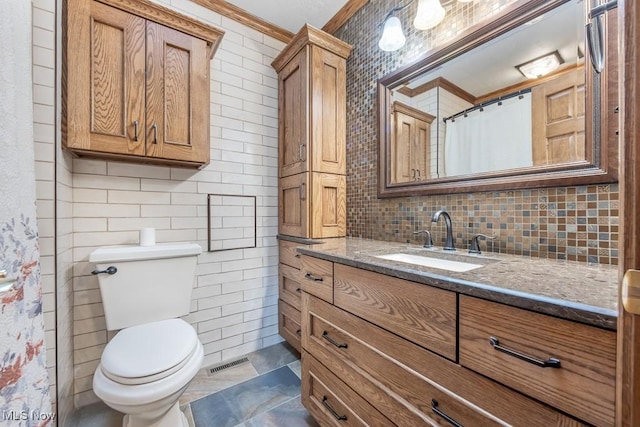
(24, 386)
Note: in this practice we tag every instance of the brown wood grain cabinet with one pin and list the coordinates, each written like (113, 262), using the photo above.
(136, 83)
(582, 384)
(410, 144)
(396, 345)
(289, 293)
(312, 135)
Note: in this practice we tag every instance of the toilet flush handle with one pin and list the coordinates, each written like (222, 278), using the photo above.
(109, 270)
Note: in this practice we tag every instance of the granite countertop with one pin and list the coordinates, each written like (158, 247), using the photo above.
(586, 293)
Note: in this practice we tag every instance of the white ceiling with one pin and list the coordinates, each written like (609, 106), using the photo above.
(292, 14)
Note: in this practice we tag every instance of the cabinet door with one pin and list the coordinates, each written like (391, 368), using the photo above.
(293, 95)
(558, 108)
(404, 126)
(105, 88)
(327, 111)
(177, 95)
(328, 205)
(293, 205)
(420, 149)
(410, 144)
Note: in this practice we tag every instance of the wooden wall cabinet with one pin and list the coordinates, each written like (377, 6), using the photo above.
(312, 135)
(136, 83)
(410, 144)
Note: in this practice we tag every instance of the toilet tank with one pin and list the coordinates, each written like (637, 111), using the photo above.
(151, 282)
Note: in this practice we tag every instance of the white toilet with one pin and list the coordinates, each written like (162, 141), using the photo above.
(147, 366)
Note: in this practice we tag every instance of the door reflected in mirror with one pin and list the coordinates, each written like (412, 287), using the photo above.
(510, 103)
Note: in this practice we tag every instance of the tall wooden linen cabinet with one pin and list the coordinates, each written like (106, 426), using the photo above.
(311, 155)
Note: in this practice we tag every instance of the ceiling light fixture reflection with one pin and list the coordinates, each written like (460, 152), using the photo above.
(541, 65)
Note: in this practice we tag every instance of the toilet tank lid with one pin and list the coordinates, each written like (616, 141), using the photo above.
(137, 253)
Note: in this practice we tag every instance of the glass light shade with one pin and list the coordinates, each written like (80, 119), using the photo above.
(392, 36)
(430, 13)
(540, 66)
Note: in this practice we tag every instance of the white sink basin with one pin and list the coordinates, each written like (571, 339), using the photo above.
(442, 264)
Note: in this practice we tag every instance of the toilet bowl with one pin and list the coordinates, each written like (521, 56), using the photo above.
(145, 369)
(149, 363)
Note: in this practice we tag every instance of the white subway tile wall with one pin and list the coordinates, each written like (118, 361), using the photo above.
(83, 204)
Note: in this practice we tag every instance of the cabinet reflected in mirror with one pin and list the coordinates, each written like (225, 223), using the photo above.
(506, 105)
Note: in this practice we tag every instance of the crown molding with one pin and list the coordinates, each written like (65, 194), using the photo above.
(343, 15)
(242, 16)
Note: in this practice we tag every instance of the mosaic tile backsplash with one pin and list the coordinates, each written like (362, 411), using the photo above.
(575, 223)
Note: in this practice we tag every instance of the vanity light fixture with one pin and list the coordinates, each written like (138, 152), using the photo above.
(392, 36)
(541, 65)
(428, 14)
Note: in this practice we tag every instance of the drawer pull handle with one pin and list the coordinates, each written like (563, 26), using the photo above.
(333, 411)
(299, 332)
(326, 336)
(314, 278)
(438, 412)
(298, 290)
(549, 363)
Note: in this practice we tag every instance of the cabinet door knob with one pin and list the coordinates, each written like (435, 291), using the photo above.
(438, 412)
(135, 130)
(333, 412)
(155, 133)
(313, 277)
(303, 191)
(549, 363)
(326, 336)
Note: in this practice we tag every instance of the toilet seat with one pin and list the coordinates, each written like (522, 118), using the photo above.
(149, 352)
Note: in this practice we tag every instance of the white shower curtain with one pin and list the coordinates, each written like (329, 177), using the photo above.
(24, 386)
(497, 138)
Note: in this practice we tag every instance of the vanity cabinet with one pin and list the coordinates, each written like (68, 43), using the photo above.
(312, 135)
(136, 83)
(289, 293)
(396, 345)
(410, 144)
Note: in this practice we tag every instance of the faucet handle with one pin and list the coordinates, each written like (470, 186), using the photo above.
(474, 247)
(428, 243)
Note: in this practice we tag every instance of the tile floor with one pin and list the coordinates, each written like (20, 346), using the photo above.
(263, 392)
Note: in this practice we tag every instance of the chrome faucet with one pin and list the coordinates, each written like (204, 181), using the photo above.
(448, 244)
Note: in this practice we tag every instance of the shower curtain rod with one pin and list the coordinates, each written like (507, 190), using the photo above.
(489, 102)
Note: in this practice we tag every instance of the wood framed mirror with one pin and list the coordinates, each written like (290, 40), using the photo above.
(480, 114)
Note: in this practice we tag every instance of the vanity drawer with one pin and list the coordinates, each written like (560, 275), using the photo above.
(289, 287)
(402, 379)
(584, 383)
(419, 313)
(316, 277)
(288, 253)
(289, 324)
(333, 403)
